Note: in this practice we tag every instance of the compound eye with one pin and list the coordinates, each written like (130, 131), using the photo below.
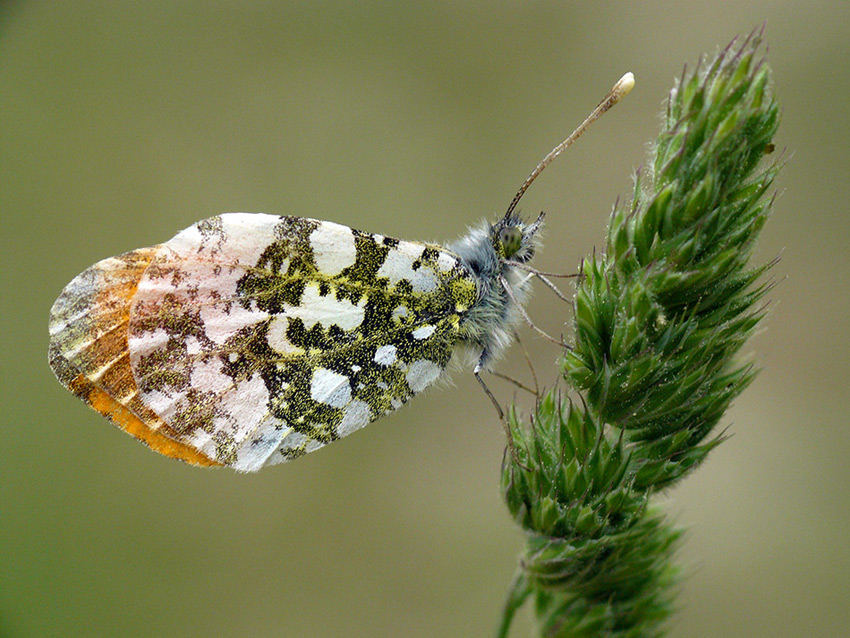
(511, 240)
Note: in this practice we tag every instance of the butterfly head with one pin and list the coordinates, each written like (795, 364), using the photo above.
(514, 239)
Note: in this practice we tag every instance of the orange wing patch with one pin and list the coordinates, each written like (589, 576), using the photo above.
(89, 351)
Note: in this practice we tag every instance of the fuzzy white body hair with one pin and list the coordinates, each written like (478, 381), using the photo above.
(489, 326)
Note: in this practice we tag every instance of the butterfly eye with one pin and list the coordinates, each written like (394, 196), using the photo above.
(511, 240)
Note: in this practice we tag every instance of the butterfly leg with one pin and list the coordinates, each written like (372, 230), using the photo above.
(530, 365)
(477, 372)
(552, 287)
(542, 276)
(509, 291)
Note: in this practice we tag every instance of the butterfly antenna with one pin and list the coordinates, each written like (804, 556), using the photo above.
(617, 93)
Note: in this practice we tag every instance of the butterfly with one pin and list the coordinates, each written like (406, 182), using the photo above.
(248, 340)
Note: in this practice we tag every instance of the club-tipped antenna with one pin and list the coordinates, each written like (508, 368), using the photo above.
(617, 93)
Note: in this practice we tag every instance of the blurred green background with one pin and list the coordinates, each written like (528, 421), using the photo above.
(123, 122)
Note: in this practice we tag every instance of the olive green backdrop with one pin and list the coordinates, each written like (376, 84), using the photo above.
(123, 122)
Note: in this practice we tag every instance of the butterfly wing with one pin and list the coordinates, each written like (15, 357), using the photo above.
(252, 339)
(89, 352)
